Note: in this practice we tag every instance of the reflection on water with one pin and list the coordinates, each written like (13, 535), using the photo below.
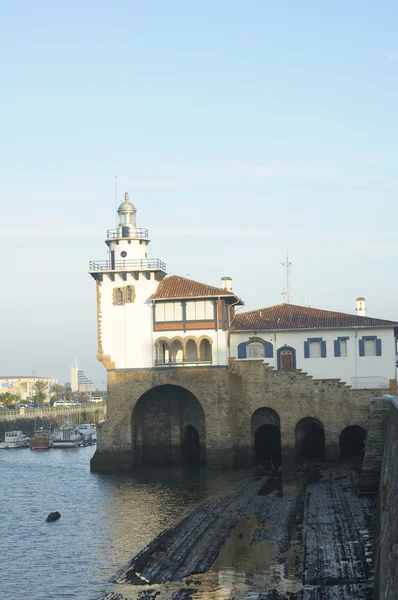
(243, 568)
(105, 519)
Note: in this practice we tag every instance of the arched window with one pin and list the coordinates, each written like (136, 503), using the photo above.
(191, 351)
(128, 294)
(176, 352)
(119, 296)
(255, 350)
(162, 353)
(205, 351)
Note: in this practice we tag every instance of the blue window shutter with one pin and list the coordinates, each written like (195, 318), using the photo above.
(337, 347)
(361, 348)
(378, 347)
(306, 349)
(323, 349)
(242, 350)
(268, 350)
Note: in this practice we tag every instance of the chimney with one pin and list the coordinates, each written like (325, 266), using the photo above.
(227, 283)
(361, 307)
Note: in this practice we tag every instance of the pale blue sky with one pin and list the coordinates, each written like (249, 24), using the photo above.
(239, 129)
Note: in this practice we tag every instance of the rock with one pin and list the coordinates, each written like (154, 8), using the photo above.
(53, 516)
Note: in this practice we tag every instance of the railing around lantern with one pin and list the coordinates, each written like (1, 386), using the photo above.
(131, 231)
(145, 264)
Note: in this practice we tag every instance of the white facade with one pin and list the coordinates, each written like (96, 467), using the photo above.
(127, 329)
(125, 284)
(353, 369)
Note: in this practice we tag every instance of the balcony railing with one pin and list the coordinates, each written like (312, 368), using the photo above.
(184, 363)
(130, 231)
(145, 264)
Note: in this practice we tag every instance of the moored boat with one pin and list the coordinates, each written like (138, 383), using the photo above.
(14, 439)
(67, 436)
(41, 439)
(89, 432)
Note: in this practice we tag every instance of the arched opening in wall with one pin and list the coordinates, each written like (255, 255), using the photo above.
(191, 447)
(168, 427)
(176, 352)
(265, 425)
(162, 353)
(205, 351)
(352, 442)
(191, 351)
(310, 440)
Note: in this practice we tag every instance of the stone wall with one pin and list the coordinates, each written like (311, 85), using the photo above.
(229, 396)
(294, 396)
(380, 410)
(386, 581)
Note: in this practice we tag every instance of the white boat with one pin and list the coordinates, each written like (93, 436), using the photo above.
(89, 431)
(67, 436)
(14, 439)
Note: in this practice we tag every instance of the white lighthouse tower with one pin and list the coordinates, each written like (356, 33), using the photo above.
(125, 283)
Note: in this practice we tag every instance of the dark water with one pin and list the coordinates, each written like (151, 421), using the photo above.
(105, 519)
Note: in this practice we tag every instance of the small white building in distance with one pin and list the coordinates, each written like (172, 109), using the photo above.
(147, 320)
(79, 382)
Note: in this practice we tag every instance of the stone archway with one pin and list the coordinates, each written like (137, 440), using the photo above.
(164, 422)
(352, 442)
(265, 424)
(310, 440)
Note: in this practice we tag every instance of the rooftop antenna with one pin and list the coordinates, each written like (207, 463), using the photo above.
(287, 294)
(116, 198)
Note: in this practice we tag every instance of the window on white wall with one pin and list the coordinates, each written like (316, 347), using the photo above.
(168, 311)
(255, 350)
(343, 347)
(315, 349)
(200, 310)
(370, 347)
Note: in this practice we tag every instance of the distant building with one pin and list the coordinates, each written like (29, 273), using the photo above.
(84, 383)
(79, 382)
(74, 379)
(23, 385)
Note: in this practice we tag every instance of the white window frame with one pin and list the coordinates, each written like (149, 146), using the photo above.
(313, 352)
(253, 350)
(200, 310)
(369, 348)
(343, 344)
(174, 310)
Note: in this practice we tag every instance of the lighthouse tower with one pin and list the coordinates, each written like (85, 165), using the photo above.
(125, 283)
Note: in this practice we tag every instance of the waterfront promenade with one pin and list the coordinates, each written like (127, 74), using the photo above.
(44, 412)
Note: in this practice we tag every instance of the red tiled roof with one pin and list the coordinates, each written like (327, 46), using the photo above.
(181, 287)
(291, 316)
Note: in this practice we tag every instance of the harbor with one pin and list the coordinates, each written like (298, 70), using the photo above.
(66, 435)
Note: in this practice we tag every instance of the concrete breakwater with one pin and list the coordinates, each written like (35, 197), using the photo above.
(263, 540)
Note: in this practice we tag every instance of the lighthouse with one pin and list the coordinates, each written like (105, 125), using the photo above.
(125, 283)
